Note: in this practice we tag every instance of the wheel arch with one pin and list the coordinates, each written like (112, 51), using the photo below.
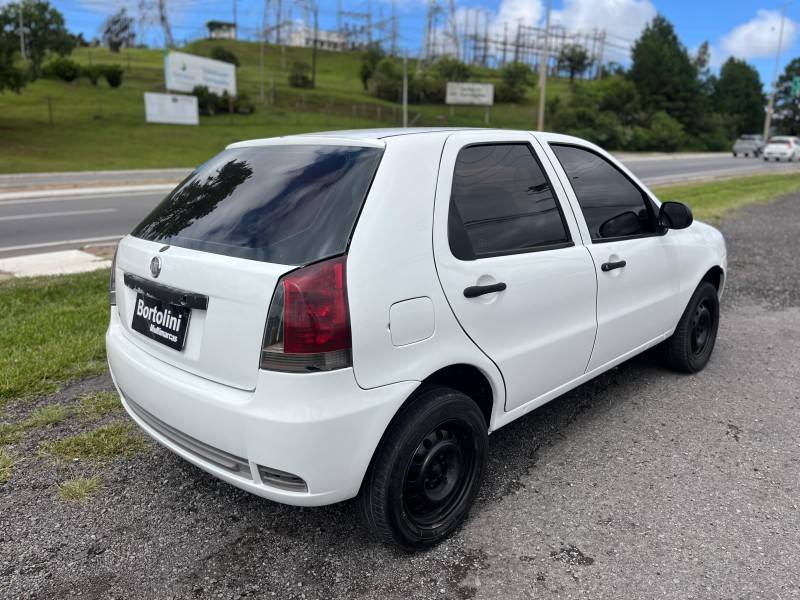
(463, 377)
(716, 277)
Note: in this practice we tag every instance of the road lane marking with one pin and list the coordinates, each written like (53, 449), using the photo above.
(77, 198)
(63, 213)
(108, 238)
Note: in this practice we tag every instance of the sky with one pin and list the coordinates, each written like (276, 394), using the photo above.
(745, 29)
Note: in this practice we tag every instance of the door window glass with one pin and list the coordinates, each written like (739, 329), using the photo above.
(612, 205)
(502, 203)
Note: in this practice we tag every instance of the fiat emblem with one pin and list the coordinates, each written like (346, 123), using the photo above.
(155, 266)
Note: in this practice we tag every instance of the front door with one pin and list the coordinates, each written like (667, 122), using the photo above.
(635, 260)
(511, 262)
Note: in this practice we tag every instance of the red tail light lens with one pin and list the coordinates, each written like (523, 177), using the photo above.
(308, 326)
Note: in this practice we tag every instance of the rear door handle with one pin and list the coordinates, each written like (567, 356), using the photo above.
(610, 266)
(474, 291)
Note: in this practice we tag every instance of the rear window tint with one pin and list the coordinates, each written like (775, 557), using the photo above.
(291, 204)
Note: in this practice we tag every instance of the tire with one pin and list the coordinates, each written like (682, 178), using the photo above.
(689, 348)
(407, 497)
(735, 155)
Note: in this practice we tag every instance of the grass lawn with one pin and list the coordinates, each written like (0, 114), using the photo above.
(51, 328)
(97, 127)
(713, 200)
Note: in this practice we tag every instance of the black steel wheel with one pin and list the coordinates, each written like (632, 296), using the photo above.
(427, 469)
(689, 349)
(438, 474)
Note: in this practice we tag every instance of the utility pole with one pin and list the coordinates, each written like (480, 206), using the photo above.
(771, 105)
(543, 69)
(314, 48)
(405, 91)
(235, 25)
(21, 31)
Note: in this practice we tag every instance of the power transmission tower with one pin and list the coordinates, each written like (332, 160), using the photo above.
(169, 42)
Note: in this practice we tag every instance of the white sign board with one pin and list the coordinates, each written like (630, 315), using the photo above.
(182, 72)
(171, 108)
(477, 94)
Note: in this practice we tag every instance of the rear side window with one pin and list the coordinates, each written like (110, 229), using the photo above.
(291, 204)
(611, 204)
(502, 203)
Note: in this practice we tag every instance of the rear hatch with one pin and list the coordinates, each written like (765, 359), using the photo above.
(194, 280)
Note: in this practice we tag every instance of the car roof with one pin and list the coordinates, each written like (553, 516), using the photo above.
(374, 137)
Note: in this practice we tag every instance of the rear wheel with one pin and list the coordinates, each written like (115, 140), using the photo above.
(690, 347)
(426, 470)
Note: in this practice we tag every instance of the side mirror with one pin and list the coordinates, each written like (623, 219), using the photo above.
(620, 225)
(675, 215)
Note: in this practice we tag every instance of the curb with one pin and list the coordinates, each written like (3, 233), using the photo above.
(53, 263)
(88, 191)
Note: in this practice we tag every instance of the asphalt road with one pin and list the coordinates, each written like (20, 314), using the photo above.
(639, 484)
(63, 216)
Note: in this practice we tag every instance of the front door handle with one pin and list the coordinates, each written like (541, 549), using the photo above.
(610, 266)
(474, 291)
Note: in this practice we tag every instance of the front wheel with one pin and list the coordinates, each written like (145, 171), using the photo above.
(427, 469)
(689, 348)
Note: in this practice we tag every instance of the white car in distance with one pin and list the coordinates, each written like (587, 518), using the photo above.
(318, 317)
(782, 147)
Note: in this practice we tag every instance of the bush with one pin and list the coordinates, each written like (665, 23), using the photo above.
(113, 75)
(210, 103)
(299, 75)
(63, 69)
(225, 55)
(516, 78)
(93, 73)
(447, 69)
(386, 82)
(666, 133)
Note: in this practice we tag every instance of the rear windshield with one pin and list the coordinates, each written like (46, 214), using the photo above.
(780, 141)
(291, 204)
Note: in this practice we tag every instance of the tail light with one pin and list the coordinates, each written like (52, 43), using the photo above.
(112, 284)
(308, 325)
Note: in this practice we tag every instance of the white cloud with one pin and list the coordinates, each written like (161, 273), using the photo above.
(758, 38)
(623, 21)
(512, 12)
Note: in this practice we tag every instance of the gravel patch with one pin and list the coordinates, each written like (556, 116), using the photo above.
(640, 484)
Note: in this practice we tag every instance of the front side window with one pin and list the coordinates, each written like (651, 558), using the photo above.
(611, 204)
(502, 203)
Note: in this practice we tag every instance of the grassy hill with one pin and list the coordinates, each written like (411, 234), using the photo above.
(97, 127)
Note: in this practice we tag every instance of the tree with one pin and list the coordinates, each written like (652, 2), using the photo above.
(299, 75)
(515, 79)
(43, 28)
(738, 94)
(448, 68)
(225, 55)
(665, 76)
(369, 62)
(787, 107)
(574, 59)
(118, 31)
(12, 76)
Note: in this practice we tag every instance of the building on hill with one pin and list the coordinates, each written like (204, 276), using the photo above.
(303, 37)
(221, 30)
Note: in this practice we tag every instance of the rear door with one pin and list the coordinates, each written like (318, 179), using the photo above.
(511, 262)
(636, 263)
(196, 277)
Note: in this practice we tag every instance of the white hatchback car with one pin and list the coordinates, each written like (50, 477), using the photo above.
(782, 147)
(318, 317)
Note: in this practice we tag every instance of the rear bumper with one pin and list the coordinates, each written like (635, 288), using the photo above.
(320, 427)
